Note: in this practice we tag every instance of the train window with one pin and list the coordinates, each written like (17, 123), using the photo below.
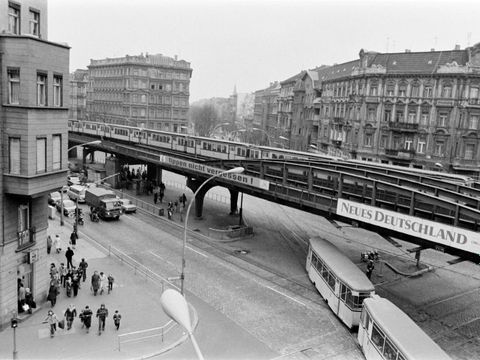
(378, 338)
(389, 351)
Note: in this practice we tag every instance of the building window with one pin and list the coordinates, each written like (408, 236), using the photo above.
(14, 155)
(41, 89)
(56, 152)
(469, 151)
(408, 144)
(399, 116)
(390, 90)
(368, 140)
(447, 91)
(57, 90)
(425, 118)
(371, 114)
(13, 86)
(473, 92)
(383, 141)
(439, 148)
(23, 225)
(412, 117)
(427, 92)
(473, 123)
(387, 115)
(402, 90)
(34, 22)
(41, 155)
(415, 90)
(373, 90)
(421, 146)
(14, 19)
(442, 119)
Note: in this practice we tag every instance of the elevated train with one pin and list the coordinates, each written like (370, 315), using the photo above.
(229, 150)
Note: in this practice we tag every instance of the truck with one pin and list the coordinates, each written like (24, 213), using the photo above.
(104, 202)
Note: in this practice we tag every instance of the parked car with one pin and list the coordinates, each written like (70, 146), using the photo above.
(54, 198)
(128, 206)
(68, 207)
(73, 180)
(77, 192)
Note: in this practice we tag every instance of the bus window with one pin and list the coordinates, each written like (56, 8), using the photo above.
(389, 352)
(378, 338)
(343, 292)
(331, 281)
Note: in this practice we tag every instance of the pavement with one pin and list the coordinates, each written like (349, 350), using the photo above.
(136, 299)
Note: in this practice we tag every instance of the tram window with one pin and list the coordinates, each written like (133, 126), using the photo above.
(350, 301)
(389, 351)
(377, 337)
(343, 291)
(331, 281)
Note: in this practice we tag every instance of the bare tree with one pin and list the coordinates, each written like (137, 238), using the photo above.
(205, 117)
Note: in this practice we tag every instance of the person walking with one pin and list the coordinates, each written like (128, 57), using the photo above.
(83, 268)
(52, 320)
(69, 255)
(116, 319)
(52, 295)
(62, 271)
(86, 317)
(110, 283)
(102, 314)
(75, 283)
(370, 267)
(57, 243)
(95, 282)
(73, 239)
(70, 315)
(103, 282)
(183, 199)
(49, 244)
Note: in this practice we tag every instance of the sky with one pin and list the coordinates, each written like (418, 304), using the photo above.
(251, 43)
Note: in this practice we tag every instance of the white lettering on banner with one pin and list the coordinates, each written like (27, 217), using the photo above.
(429, 230)
(244, 179)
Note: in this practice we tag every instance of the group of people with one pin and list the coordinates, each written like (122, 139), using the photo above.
(55, 243)
(158, 192)
(26, 302)
(85, 317)
(67, 277)
(101, 283)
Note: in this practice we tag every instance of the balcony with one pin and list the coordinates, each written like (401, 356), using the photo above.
(26, 238)
(403, 126)
(474, 102)
(338, 120)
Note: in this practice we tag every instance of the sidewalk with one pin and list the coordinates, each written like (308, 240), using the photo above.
(136, 299)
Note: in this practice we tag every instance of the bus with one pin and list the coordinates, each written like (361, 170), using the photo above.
(387, 333)
(340, 282)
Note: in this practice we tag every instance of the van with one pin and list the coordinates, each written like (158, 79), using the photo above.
(77, 192)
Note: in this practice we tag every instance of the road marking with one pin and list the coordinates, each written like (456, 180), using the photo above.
(281, 293)
(159, 257)
(198, 252)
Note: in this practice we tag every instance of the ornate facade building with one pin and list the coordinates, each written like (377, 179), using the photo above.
(144, 90)
(418, 109)
(78, 94)
(33, 120)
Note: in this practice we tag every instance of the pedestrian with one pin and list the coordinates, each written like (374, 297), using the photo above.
(69, 255)
(57, 243)
(95, 282)
(183, 199)
(29, 300)
(21, 297)
(102, 314)
(103, 282)
(52, 295)
(52, 320)
(116, 319)
(70, 315)
(370, 267)
(110, 283)
(86, 317)
(73, 239)
(49, 244)
(62, 271)
(156, 191)
(82, 267)
(75, 284)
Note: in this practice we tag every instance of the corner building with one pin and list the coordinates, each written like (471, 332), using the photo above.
(149, 91)
(34, 140)
(416, 109)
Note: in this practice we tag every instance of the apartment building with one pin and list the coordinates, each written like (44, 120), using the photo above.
(33, 117)
(142, 90)
(78, 95)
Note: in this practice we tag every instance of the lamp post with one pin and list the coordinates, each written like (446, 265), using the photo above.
(236, 170)
(176, 307)
(63, 187)
(14, 324)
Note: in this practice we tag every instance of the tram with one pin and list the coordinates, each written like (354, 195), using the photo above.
(340, 282)
(387, 333)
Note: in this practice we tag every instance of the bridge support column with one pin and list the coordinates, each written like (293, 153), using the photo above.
(154, 173)
(233, 201)
(194, 184)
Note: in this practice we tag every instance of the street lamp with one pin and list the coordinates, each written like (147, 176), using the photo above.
(94, 142)
(236, 170)
(176, 307)
(217, 126)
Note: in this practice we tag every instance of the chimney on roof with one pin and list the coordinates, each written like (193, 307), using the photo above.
(432, 49)
(408, 50)
(457, 47)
